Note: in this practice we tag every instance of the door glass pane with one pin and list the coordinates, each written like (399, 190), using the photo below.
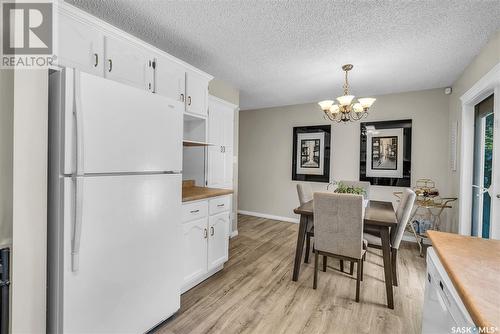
(483, 166)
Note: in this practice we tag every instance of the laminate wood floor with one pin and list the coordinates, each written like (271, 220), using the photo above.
(254, 293)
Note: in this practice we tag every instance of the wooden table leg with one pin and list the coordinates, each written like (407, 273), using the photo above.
(301, 236)
(386, 254)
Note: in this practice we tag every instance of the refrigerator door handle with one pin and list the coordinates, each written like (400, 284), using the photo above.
(77, 227)
(79, 123)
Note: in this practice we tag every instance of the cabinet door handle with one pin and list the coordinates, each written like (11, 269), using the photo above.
(212, 232)
(182, 97)
(110, 67)
(206, 234)
(189, 100)
(221, 150)
(194, 211)
(96, 59)
(220, 205)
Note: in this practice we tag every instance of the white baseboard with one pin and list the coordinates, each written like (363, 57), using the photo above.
(265, 215)
(233, 234)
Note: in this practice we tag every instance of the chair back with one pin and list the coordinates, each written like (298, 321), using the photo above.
(305, 192)
(359, 184)
(338, 223)
(403, 213)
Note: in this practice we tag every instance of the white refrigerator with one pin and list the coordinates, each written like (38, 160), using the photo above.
(115, 161)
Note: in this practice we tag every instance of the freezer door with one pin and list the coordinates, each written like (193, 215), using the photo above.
(111, 127)
(129, 274)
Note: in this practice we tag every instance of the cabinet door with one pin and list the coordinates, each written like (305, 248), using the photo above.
(216, 166)
(170, 79)
(228, 167)
(218, 240)
(194, 252)
(228, 127)
(196, 93)
(215, 124)
(128, 64)
(80, 46)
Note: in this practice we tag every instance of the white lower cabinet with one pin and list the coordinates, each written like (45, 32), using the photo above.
(205, 238)
(218, 244)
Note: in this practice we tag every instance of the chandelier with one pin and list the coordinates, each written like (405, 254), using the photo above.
(346, 111)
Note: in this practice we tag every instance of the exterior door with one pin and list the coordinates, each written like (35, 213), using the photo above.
(194, 249)
(218, 242)
(486, 185)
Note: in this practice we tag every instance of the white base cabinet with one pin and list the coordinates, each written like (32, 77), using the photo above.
(205, 238)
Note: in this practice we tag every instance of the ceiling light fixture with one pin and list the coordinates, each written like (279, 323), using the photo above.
(345, 110)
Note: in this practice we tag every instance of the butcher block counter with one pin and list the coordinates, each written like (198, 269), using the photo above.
(191, 192)
(473, 265)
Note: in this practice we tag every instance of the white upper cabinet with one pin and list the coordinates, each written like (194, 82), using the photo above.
(170, 79)
(220, 135)
(128, 64)
(80, 46)
(196, 93)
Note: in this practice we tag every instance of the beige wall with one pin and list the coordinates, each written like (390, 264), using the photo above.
(29, 234)
(484, 61)
(224, 91)
(266, 148)
(6, 119)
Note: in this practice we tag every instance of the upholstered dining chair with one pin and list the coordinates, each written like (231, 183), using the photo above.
(359, 184)
(305, 193)
(403, 214)
(338, 225)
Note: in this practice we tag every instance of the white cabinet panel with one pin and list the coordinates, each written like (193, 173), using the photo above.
(194, 252)
(170, 79)
(196, 210)
(80, 46)
(219, 204)
(128, 64)
(196, 93)
(218, 243)
(216, 167)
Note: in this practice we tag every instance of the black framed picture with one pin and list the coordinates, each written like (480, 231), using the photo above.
(385, 153)
(311, 153)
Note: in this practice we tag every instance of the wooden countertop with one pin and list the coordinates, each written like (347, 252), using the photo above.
(473, 265)
(190, 192)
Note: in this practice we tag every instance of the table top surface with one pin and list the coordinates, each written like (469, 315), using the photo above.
(376, 213)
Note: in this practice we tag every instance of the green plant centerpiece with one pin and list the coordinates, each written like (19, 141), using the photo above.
(345, 189)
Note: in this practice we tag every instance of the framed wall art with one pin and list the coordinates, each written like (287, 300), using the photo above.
(385, 153)
(311, 153)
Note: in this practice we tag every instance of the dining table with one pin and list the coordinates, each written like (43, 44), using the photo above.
(379, 218)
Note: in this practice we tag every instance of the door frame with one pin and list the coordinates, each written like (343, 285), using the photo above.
(484, 87)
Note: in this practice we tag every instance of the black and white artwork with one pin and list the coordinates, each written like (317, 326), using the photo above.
(385, 153)
(311, 153)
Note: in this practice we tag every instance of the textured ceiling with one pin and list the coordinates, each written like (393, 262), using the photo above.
(289, 52)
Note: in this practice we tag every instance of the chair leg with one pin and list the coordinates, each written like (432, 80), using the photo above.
(308, 245)
(358, 279)
(315, 280)
(325, 259)
(351, 268)
(394, 261)
(342, 265)
(362, 266)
